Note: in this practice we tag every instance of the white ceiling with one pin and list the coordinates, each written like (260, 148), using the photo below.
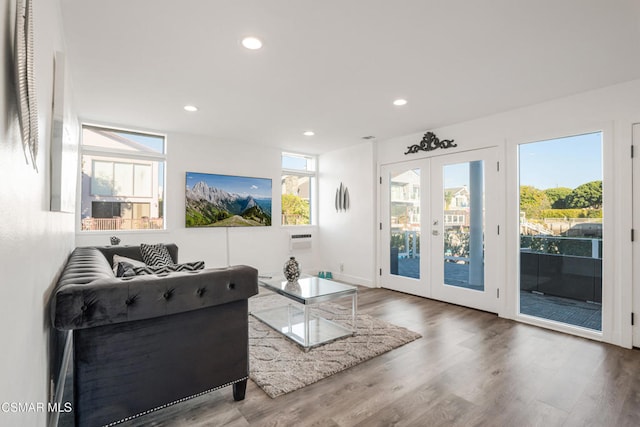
(335, 66)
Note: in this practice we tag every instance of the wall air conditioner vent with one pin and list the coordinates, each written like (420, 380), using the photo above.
(300, 241)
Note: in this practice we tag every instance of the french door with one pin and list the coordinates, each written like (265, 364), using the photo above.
(439, 225)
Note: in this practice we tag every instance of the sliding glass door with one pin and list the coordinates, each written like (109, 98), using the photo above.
(561, 233)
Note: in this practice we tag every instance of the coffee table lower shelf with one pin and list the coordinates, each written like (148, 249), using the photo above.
(292, 322)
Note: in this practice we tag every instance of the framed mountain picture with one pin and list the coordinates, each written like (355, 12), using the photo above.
(213, 200)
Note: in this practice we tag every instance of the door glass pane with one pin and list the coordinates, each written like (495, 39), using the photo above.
(463, 228)
(561, 230)
(404, 212)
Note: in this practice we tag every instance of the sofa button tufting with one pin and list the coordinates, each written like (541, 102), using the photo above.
(84, 307)
(200, 292)
(167, 295)
(232, 286)
(130, 301)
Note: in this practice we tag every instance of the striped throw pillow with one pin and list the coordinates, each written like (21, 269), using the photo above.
(189, 266)
(155, 255)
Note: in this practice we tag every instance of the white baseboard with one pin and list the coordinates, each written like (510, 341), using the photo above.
(354, 280)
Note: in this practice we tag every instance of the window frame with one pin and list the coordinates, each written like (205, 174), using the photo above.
(310, 173)
(105, 154)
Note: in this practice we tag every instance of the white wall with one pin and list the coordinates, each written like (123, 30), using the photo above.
(348, 237)
(612, 110)
(266, 248)
(34, 242)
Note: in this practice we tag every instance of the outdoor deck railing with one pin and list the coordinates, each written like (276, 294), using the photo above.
(557, 245)
(295, 219)
(107, 224)
(567, 267)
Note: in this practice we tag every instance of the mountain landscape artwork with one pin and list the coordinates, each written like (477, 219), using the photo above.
(227, 201)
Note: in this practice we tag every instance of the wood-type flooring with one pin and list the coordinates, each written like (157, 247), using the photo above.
(470, 368)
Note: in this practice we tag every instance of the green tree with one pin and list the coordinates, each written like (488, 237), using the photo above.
(533, 201)
(557, 196)
(587, 195)
(295, 209)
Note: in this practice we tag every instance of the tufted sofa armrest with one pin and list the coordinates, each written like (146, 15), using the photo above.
(89, 295)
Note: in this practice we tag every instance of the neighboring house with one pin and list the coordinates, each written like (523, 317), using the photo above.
(405, 199)
(456, 212)
(297, 185)
(456, 198)
(119, 193)
(456, 218)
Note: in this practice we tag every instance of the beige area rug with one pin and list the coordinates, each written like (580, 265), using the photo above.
(280, 366)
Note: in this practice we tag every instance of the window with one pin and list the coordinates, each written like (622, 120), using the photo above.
(298, 187)
(122, 180)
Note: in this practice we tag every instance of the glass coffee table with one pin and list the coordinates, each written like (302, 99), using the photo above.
(296, 321)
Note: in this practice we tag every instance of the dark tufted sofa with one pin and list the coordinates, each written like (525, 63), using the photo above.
(146, 342)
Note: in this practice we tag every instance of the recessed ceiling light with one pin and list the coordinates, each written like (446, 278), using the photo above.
(400, 102)
(252, 43)
(190, 108)
(309, 133)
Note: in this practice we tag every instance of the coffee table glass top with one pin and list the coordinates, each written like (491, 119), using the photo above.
(309, 289)
(298, 323)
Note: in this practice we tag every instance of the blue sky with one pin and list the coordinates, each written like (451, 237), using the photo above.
(259, 188)
(456, 175)
(296, 162)
(562, 162)
(154, 142)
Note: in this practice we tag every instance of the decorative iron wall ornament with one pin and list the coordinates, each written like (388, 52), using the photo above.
(430, 142)
(342, 198)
